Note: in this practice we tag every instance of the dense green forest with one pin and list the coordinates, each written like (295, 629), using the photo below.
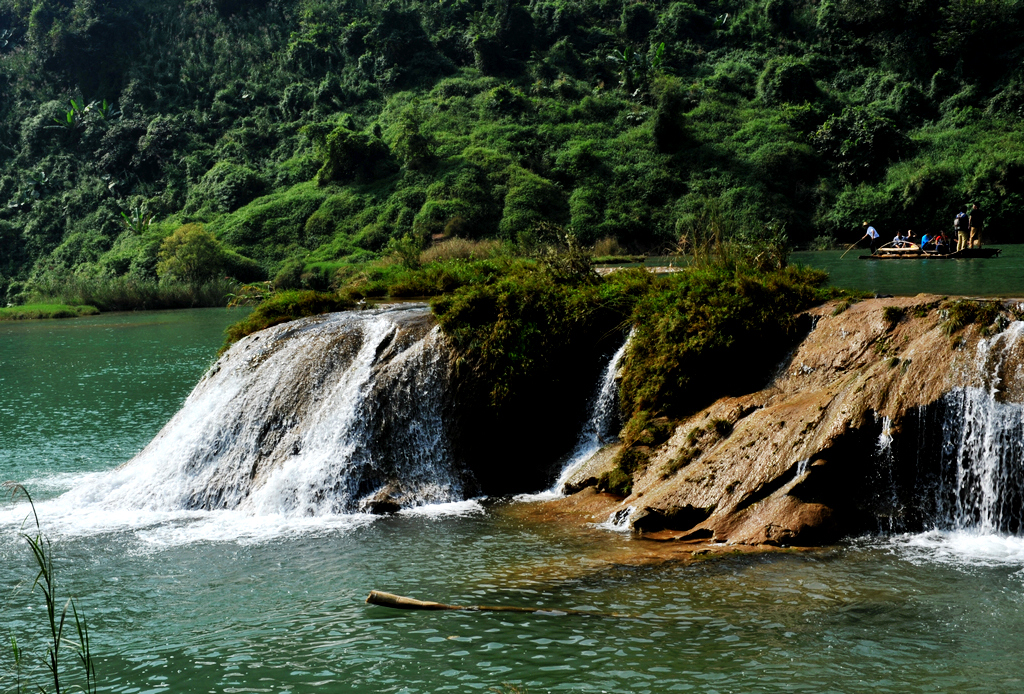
(297, 138)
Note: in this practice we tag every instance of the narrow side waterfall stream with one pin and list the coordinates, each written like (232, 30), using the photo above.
(203, 577)
(598, 430)
(983, 449)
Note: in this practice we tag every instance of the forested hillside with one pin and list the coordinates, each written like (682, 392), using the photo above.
(310, 134)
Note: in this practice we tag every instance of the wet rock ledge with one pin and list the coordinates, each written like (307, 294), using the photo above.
(846, 439)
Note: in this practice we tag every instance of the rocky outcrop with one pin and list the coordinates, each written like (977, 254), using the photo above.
(852, 435)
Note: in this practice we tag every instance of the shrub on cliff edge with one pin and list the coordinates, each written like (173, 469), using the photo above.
(713, 332)
(283, 307)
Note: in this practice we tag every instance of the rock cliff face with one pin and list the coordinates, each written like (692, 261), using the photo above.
(879, 421)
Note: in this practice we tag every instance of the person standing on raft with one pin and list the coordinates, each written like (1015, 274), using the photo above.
(871, 233)
(960, 223)
(977, 219)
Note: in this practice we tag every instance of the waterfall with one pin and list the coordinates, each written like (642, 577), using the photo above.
(958, 464)
(332, 414)
(619, 520)
(597, 430)
(982, 473)
(887, 485)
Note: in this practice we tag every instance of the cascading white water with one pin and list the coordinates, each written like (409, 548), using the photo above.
(982, 480)
(597, 430)
(332, 414)
(619, 520)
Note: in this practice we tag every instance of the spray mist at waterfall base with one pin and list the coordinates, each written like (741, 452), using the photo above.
(962, 549)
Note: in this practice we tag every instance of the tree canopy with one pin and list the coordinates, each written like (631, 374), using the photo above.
(316, 131)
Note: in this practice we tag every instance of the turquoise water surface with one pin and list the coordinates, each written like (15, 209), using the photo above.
(224, 602)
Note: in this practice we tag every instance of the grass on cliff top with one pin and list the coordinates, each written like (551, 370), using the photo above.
(383, 279)
(714, 331)
(38, 311)
(519, 331)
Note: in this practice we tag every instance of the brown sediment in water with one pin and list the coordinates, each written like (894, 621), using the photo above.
(582, 512)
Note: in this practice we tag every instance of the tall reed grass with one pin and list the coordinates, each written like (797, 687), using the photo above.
(461, 249)
(716, 240)
(129, 294)
(57, 621)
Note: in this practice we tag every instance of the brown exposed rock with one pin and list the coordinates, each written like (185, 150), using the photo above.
(795, 464)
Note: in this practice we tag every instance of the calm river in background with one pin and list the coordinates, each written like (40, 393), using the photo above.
(220, 602)
(999, 276)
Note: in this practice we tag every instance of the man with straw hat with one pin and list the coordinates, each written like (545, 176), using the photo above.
(871, 233)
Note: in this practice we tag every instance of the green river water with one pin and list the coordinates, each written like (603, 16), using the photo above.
(999, 276)
(222, 602)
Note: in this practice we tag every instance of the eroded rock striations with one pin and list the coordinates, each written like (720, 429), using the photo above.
(881, 420)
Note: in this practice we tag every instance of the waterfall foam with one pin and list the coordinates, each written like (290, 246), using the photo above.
(334, 414)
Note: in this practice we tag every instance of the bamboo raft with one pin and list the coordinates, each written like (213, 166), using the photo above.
(914, 252)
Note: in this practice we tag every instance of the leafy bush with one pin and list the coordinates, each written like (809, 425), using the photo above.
(530, 201)
(349, 156)
(191, 254)
(521, 330)
(860, 143)
(786, 79)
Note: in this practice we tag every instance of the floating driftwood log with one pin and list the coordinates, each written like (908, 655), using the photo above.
(399, 602)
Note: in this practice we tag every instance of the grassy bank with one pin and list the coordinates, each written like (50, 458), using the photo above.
(36, 311)
(130, 294)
